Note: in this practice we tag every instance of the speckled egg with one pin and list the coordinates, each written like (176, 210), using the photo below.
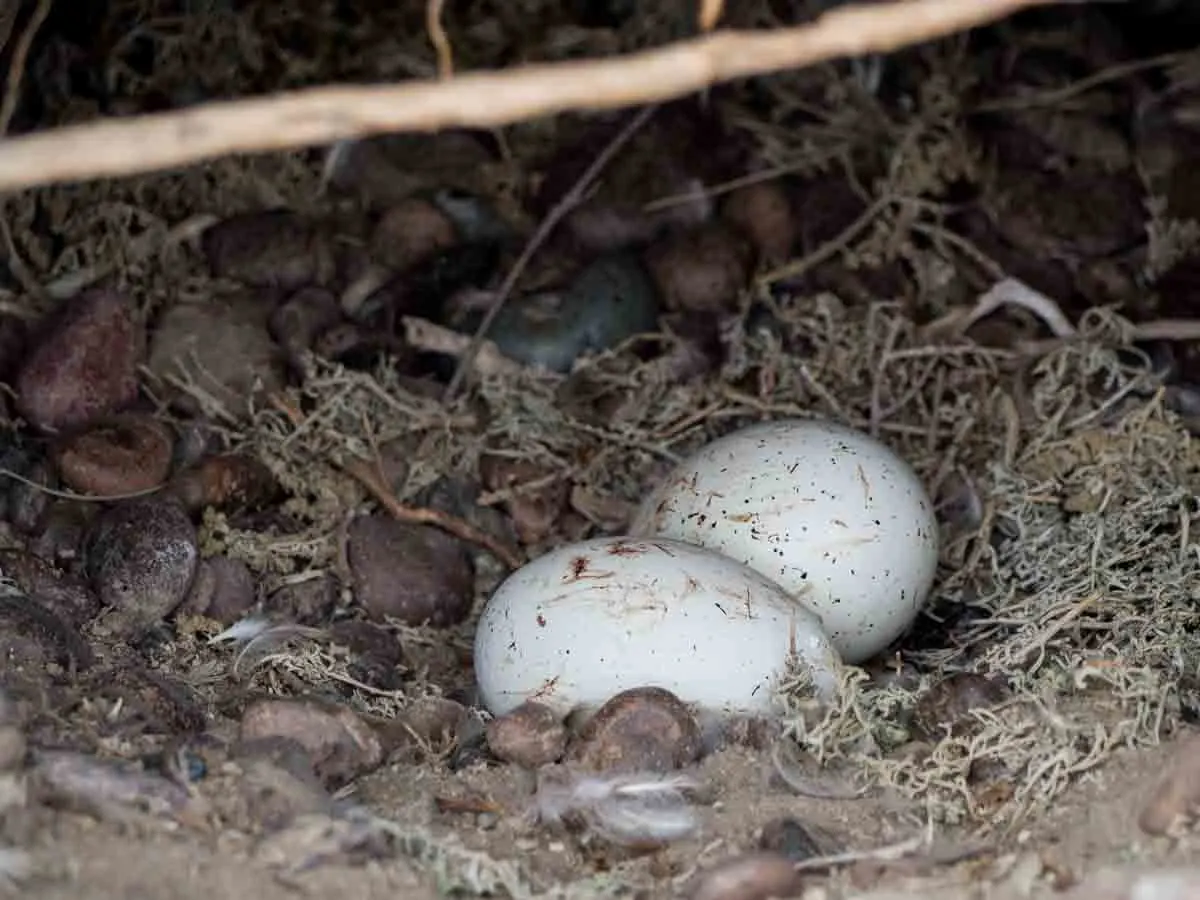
(581, 624)
(829, 513)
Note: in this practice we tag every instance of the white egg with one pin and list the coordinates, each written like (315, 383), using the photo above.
(588, 620)
(829, 513)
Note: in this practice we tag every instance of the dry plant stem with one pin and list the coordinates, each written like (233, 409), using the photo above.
(366, 476)
(71, 495)
(433, 338)
(1066, 92)
(710, 13)
(437, 37)
(323, 115)
(569, 201)
(16, 68)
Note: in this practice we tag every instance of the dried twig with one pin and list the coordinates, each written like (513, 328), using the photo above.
(437, 37)
(569, 201)
(16, 67)
(323, 115)
(367, 477)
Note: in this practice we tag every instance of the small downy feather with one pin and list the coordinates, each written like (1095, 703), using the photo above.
(260, 635)
(624, 809)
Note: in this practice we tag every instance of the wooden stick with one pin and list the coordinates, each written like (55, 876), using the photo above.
(324, 115)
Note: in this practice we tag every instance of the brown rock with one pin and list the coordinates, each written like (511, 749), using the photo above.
(703, 270)
(754, 876)
(123, 455)
(414, 573)
(531, 735)
(535, 512)
(788, 838)
(946, 707)
(429, 725)
(28, 505)
(220, 346)
(297, 323)
(63, 530)
(65, 594)
(338, 742)
(763, 213)
(141, 558)
(85, 364)
(272, 249)
(229, 481)
(411, 231)
(223, 590)
(275, 794)
(1176, 797)
(305, 602)
(642, 729)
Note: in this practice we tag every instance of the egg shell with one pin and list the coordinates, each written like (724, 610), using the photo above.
(827, 512)
(588, 620)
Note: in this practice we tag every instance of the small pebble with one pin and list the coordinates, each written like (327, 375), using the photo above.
(102, 787)
(531, 735)
(84, 366)
(763, 213)
(433, 722)
(790, 839)
(229, 481)
(63, 529)
(297, 322)
(414, 573)
(701, 271)
(28, 505)
(307, 602)
(946, 707)
(644, 729)
(610, 300)
(276, 794)
(223, 347)
(141, 557)
(65, 594)
(1176, 797)
(123, 455)
(223, 590)
(535, 512)
(409, 232)
(272, 249)
(1138, 883)
(754, 876)
(339, 744)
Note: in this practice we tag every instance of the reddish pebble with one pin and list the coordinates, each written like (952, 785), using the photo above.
(223, 482)
(414, 573)
(84, 366)
(339, 744)
(639, 730)
(411, 231)
(531, 735)
(763, 212)
(124, 455)
(273, 248)
(755, 876)
(1176, 797)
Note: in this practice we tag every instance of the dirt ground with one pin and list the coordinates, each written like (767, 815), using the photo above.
(245, 681)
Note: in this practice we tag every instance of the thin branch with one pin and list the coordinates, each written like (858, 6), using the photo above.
(568, 202)
(324, 115)
(16, 68)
